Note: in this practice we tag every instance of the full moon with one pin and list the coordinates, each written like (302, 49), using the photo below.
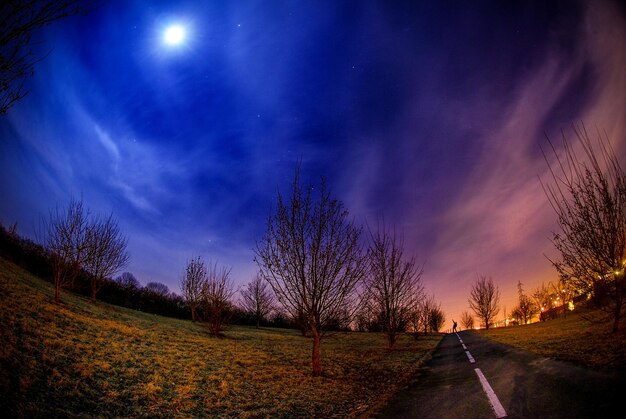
(174, 35)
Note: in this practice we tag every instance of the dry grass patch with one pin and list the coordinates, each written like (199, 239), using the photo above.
(574, 339)
(81, 359)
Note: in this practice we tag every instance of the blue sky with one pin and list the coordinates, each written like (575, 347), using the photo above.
(430, 115)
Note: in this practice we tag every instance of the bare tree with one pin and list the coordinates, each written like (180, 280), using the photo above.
(419, 319)
(562, 293)
(19, 19)
(394, 284)
(589, 199)
(312, 259)
(525, 306)
(541, 296)
(425, 307)
(364, 318)
(192, 283)
(66, 240)
(485, 299)
(217, 292)
(157, 288)
(467, 320)
(257, 299)
(127, 280)
(436, 318)
(106, 252)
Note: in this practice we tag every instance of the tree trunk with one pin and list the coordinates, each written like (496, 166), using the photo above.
(93, 294)
(57, 287)
(193, 312)
(258, 321)
(316, 359)
(391, 340)
(619, 300)
(618, 309)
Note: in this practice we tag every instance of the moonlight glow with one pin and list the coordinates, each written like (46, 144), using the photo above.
(174, 35)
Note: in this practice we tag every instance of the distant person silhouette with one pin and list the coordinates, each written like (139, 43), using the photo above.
(453, 326)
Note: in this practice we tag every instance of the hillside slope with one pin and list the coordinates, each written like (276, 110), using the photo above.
(81, 359)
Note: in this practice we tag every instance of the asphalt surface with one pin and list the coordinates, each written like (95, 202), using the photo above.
(526, 385)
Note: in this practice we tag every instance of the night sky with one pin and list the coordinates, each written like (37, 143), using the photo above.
(427, 114)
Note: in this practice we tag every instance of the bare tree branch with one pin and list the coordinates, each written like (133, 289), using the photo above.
(589, 199)
(19, 20)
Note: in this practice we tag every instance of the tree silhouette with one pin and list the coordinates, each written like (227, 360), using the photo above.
(467, 320)
(484, 300)
(525, 306)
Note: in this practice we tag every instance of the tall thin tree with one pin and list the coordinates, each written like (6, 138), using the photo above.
(192, 283)
(525, 306)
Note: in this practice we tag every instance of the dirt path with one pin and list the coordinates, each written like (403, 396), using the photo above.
(518, 385)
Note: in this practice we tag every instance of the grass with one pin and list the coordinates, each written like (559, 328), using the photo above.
(78, 359)
(574, 339)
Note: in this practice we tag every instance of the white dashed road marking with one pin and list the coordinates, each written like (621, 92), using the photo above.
(491, 395)
(493, 399)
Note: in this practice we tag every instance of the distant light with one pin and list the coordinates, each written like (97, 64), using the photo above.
(174, 35)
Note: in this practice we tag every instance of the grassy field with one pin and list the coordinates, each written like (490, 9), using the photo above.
(78, 359)
(575, 339)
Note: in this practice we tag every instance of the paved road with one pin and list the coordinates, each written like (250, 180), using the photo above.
(525, 385)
